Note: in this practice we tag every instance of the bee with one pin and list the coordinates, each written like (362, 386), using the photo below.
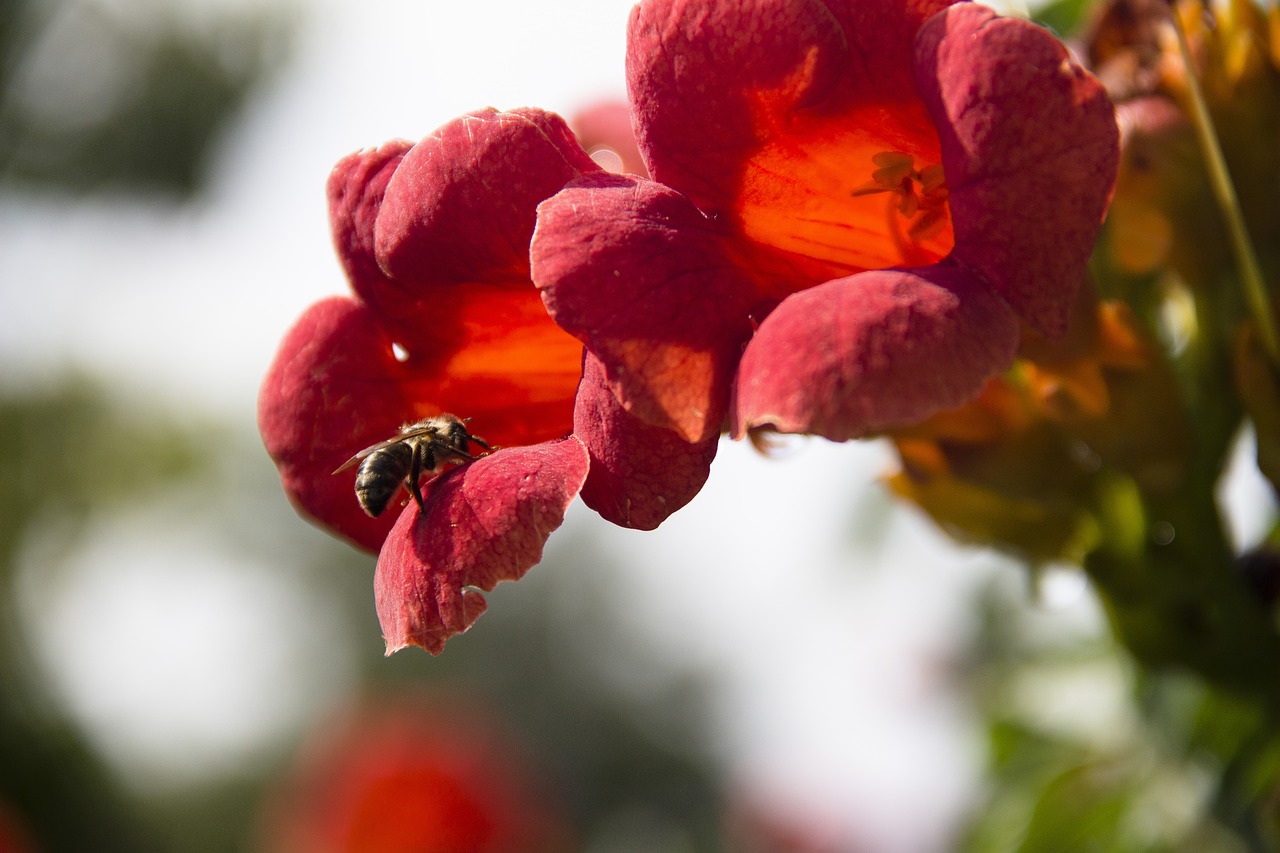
(420, 448)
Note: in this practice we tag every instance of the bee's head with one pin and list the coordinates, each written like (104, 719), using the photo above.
(455, 433)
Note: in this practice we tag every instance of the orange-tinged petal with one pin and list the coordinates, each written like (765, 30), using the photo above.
(771, 114)
(500, 361)
(712, 82)
(640, 474)
(802, 208)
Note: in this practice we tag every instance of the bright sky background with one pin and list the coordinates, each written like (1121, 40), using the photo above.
(832, 692)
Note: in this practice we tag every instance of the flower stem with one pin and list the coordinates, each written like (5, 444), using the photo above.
(1255, 288)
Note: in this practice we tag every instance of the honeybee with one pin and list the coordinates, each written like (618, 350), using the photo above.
(420, 448)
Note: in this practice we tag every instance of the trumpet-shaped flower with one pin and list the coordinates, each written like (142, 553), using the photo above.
(856, 206)
(434, 238)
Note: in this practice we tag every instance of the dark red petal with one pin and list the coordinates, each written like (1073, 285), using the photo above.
(712, 81)
(333, 389)
(356, 187)
(873, 351)
(635, 272)
(1030, 148)
(461, 206)
(640, 474)
(484, 523)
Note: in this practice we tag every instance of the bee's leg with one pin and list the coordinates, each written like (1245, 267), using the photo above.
(475, 439)
(415, 474)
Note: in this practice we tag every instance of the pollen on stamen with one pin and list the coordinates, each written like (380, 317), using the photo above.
(933, 179)
(921, 194)
(823, 234)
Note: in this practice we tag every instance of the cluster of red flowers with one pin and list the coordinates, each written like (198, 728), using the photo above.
(856, 209)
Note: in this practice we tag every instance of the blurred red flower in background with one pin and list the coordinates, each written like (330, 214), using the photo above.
(407, 778)
(14, 836)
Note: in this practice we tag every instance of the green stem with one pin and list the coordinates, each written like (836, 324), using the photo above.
(1255, 288)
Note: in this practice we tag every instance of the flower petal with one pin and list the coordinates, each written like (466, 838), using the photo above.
(485, 522)
(651, 295)
(355, 189)
(873, 351)
(770, 115)
(1030, 149)
(461, 205)
(711, 81)
(333, 389)
(640, 474)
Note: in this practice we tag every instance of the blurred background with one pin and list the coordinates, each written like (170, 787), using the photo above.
(791, 663)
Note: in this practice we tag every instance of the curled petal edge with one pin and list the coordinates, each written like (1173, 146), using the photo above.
(873, 351)
(1030, 146)
(333, 388)
(652, 296)
(640, 474)
(483, 523)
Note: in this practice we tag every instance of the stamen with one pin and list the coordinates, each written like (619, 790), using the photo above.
(932, 179)
(922, 193)
(927, 225)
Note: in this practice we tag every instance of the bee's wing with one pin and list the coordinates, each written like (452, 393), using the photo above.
(383, 445)
(362, 454)
(374, 448)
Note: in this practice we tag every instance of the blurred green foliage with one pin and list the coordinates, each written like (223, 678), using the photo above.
(1121, 761)
(1065, 17)
(93, 99)
(65, 453)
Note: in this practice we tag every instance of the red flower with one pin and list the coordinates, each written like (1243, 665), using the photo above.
(860, 202)
(411, 779)
(434, 239)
